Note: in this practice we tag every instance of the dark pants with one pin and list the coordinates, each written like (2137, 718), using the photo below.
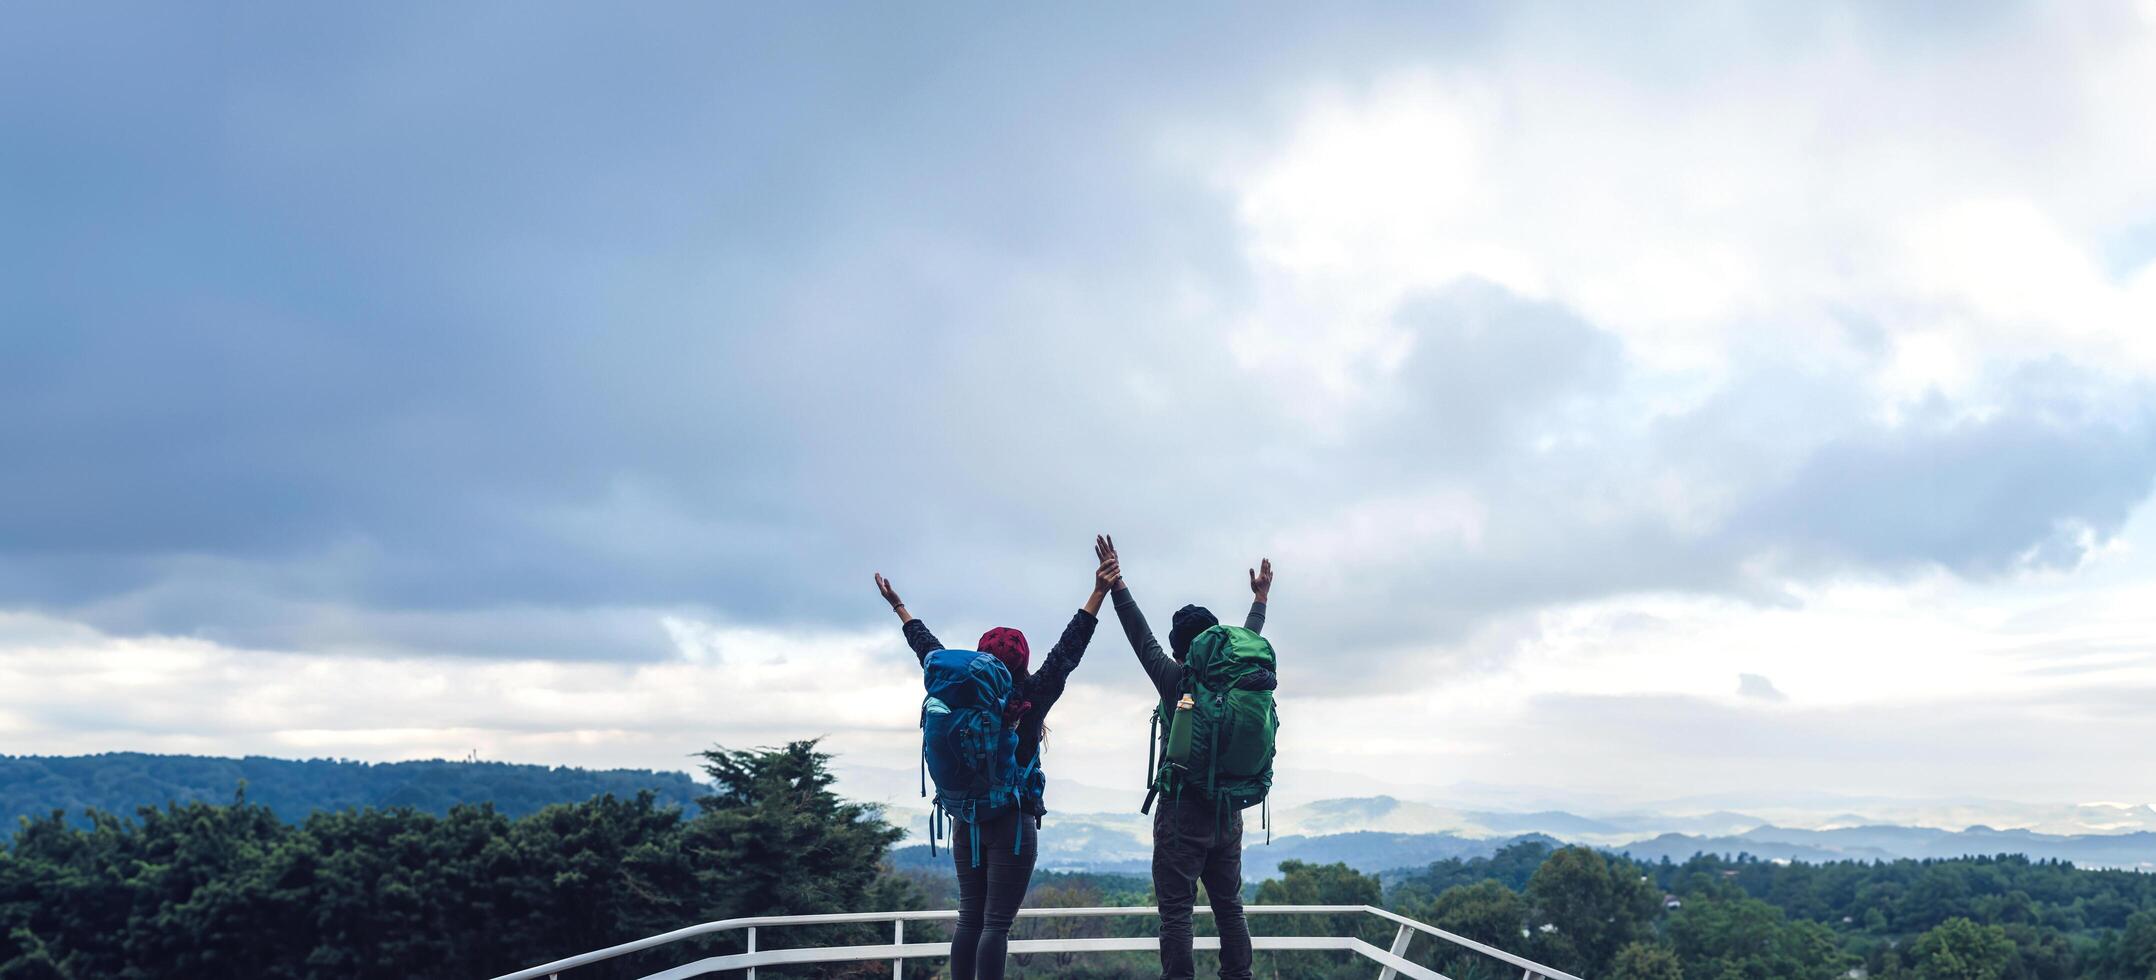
(989, 895)
(1192, 843)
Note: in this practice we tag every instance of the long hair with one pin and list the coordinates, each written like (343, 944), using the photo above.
(1009, 646)
(1014, 710)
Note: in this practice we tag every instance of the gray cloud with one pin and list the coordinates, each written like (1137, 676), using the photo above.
(1488, 368)
(1781, 477)
(1758, 688)
(1979, 496)
(495, 331)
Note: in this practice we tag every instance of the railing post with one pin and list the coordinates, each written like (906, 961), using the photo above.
(752, 948)
(898, 938)
(1400, 941)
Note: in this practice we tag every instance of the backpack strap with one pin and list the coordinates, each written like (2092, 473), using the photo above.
(1152, 745)
(1153, 774)
(1212, 761)
(969, 815)
(1018, 825)
(1212, 774)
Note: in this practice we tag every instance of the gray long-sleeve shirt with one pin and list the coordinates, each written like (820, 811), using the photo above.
(1165, 672)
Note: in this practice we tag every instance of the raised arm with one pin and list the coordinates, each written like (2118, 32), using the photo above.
(918, 637)
(1261, 587)
(1047, 683)
(1162, 670)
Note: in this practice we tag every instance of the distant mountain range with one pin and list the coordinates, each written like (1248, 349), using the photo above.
(1099, 829)
(1370, 851)
(2136, 850)
(1378, 834)
(1402, 816)
(1086, 843)
(119, 782)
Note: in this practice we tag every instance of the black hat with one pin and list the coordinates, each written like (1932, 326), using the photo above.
(1188, 623)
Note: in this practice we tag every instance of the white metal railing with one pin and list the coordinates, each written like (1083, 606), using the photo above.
(1393, 961)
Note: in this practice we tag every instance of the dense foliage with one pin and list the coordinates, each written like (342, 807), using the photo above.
(194, 889)
(1709, 918)
(202, 890)
(120, 782)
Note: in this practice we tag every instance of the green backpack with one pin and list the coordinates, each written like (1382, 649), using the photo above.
(1223, 746)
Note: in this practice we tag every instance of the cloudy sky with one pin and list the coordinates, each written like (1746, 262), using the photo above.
(1634, 402)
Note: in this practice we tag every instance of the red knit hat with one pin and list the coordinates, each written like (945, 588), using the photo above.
(1009, 646)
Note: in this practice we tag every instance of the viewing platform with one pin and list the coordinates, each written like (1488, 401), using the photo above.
(1391, 962)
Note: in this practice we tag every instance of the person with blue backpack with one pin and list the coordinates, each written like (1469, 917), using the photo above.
(1214, 731)
(982, 723)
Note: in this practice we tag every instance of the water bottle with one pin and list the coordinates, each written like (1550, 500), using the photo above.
(1179, 733)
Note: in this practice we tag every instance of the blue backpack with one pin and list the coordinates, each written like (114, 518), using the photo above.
(965, 747)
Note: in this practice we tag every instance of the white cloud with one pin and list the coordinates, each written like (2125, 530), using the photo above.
(69, 689)
(1623, 699)
(2001, 276)
(1568, 370)
(1801, 186)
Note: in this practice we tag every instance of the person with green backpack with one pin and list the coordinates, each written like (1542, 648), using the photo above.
(1212, 757)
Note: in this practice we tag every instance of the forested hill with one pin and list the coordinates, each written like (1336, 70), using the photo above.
(118, 782)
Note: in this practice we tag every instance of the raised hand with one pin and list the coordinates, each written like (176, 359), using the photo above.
(1261, 579)
(1107, 576)
(890, 595)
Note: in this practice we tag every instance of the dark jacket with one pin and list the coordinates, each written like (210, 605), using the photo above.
(1042, 687)
(1165, 671)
